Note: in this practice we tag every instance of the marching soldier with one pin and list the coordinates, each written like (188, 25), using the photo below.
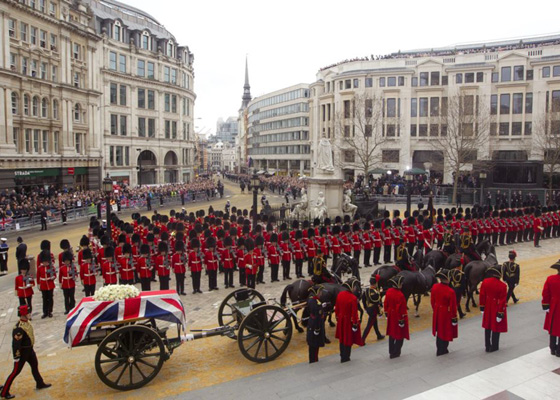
(368, 244)
(493, 306)
(23, 340)
(127, 268)
(371, 299)
(46, 275)
(397, 316)
(251, 263)
(67, 279)
(24, 284)
(240, 256)
(537, 228)
(286, 255)
(195, 264)
(315, 324)
(444, 306)
(299, 253)
(551, 305)
(511, 275)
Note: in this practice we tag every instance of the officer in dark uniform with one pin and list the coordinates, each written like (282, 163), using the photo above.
(449, 240)
(23, 340)
(467, 246)
(403, 260)
(458, 283)
(371, 299)
(511, 275)
(321, 273)
(315, 324)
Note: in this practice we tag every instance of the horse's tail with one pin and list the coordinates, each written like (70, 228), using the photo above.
(287, 289)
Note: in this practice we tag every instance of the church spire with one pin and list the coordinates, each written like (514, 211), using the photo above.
(246, 87)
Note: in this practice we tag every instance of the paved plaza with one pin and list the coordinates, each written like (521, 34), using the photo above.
(213, 367)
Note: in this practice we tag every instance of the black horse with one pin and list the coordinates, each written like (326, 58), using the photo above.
(483, 248)
(435, 258)
(418, 284)
(386, 272)
(330, 291)
(298, 292)
(345, 265)
(474, 273)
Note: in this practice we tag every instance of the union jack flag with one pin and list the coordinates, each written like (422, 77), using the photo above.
(163, 305)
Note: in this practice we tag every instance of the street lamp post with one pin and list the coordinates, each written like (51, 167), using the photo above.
(108, 189)
(255, 183)
(482, 178)
(408, 178)
(139, 167)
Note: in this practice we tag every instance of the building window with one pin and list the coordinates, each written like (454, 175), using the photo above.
(174, 130)
(142, 127)
(166, 74)
(112, 155)
(122, 95)
(53, 42)
(54, 73)
(494, 104)
(35, 109)
(122, 63)
(392, 81)
(123, 125)
(459, 78)
(141, 70)
(369, 82)
(119, 155)
(174, 104)
(424, 78)
(504, 103)
(80, 143)
(151, 69)
(33, 68)
(414, 81)
(126, 155)
(24, 66)
(23, 31)
(391, 108)
(151, 100)
(113, 93)
(145, 41)
(15, 103)
(401, 80)
(56, 142)
(479, 77)
(516, 128)
(28, 133)
(506, 74)
(349, 156)
(55, 109)
(504, 129)
(77, 112)
(528, 103)
(114, 122)
(12, 28)
(52, 9)
(173, 76)
(117, 31)
(45, 147)
(423, 106)
(36, 134)
(13, 62)
(518, 104)
(15, 137)
(42, 5)
(26, 102)
(518, 74)
(546, 72)
(469, 77)
(33, 35)
(528, 128)
(381, 82)
(434, 78)
(434, 106)
(112, 61)
(44, 107)
(76, 79)
(43, 70)
(76, 52)
(390, 156)
(556, 70)
(167, 102)
(167, 129)
(413, 108)
(423, 130)
(170, 49)
(151, 127)
(141, 98)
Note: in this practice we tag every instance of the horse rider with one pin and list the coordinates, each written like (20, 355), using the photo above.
(511, 275)
(449, 240)
(403, 260)
(371, 299)
(467, 246)
(321, 273)
(444, 306)
(493, 306)
(551, 305)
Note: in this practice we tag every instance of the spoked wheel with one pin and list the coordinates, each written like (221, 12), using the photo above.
(265, 333)
(228, 315)
(130, 357)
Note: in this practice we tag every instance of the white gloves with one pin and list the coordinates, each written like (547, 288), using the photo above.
(498, 319)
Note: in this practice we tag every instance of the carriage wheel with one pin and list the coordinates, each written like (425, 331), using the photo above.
(265, 333)
(227, 316)
(130, 357)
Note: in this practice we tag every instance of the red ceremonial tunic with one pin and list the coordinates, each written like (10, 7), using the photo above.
(395, 308)
(240, 255)
(109, 272)
(251, 264)
(493, 294)
(87, 274)
(551, 297)
(144, 266)
(163, 266)
(273, 255)
(46, 280)
(178, 262)
(346, 244)
(335, 245)
(356, 242)
(444, 304)
(210, 260)
(65, 277)
(311, 247)
(346, 310)
(227, 258)
(24, 289)
(298, 250)
(127, 268)
(195, 261)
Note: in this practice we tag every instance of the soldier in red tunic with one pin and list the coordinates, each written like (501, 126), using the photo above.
(145, 267)
(211, 259)
(347, 324)
(274, 254)
(299, 248)
(88, 272)
(286, 255)
(67, 279)
(228, 261)
(109, 267)
(46, 276)
(444, 320)
(397, 317)
(195, 264)
(163, 266)
(24, 284)
(126, 262)
(179, 262)
(493, 305)
(551, 304)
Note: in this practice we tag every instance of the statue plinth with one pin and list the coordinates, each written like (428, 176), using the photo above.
(332, 190)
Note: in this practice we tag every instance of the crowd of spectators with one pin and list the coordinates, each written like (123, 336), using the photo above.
(283, 185)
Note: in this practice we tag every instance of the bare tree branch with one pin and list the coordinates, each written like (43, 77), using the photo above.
(547, 139)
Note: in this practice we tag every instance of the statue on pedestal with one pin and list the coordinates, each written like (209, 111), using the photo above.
(301, 209)
(347, 206)
(320, 207)
(324, 156)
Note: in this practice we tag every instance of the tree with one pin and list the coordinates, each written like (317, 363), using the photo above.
(459, 130)
(360, 133)
(547, 139)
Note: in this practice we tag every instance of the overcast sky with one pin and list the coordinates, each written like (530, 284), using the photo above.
(288, 41)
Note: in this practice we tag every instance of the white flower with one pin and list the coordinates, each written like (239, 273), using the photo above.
(116, 292)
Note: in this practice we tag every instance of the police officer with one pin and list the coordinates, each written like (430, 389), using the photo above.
(511, 275)
(23, 340)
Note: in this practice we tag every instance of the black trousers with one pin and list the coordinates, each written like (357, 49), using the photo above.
(299, 268)
(47, 301)
(251, 281)
(387, 253)
(395, 249)
(494, 238)
(313, 354)
(345, 352)
(242, 279)
(286, 269)
(26, 301)
(410, 248)
(441, 346)
(90, 290)
(510, 293)
(180, 283)
(367, 256)
(27, 356)
(228, 277)
(69, 300)
(491, 340)
(334, 258)
(260, 274)
(356, 256)
(195, 276)
(537, 238)
(372, 322)
(164, 282)
(309, 266)
(212, 279)
(274, 272)
(43, 224)
(377, 254)
(395, 347)
(146, 284)
(4, 265)
(502, 236)
(554, 345)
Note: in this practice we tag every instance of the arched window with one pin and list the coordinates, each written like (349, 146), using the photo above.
(26, 102)
(55, 109)
(44, 107)
(15, 103)
(77, 112)
(117, 31)
(35, 109)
